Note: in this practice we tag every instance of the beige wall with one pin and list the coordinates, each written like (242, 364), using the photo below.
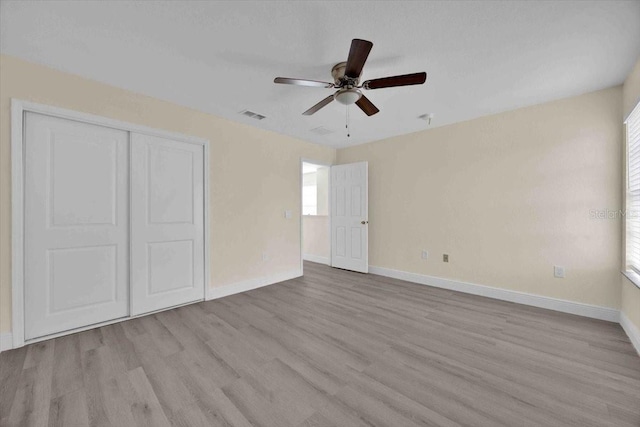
(630, 292)
(315, 235)
(507, 197)
(255, 175)
(631, 90)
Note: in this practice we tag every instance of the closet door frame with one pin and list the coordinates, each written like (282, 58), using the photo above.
(18, 110)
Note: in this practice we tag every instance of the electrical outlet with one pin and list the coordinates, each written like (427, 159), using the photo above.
(287, 214)
(425, 254)
(445, 258)
(265, 256)
(558, 272)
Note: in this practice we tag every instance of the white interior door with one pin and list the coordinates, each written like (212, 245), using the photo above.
(167, 223)
(349, 217)
(76, 224)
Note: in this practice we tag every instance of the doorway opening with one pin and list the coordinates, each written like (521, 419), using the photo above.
(315, 219)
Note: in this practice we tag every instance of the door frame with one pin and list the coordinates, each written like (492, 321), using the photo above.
(315, 162)
(18, 110)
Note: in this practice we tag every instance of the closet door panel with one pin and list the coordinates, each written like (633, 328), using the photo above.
(167, 223)
(76, 224)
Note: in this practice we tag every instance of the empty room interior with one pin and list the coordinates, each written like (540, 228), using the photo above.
(329, 214)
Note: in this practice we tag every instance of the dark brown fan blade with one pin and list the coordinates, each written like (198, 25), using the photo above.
(404, 80)
(357, 57)
(367, 106)
(318, 106)
(302, 82)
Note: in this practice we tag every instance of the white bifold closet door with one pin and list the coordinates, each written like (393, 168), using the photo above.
(167, 223)
(76, 225)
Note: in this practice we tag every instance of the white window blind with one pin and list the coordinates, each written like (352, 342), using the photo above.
(633, 189)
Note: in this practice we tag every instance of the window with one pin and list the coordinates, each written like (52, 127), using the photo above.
(315, 189)
(633, 190)
(310, 200)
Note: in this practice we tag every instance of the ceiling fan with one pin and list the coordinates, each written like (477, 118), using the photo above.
(346, 77)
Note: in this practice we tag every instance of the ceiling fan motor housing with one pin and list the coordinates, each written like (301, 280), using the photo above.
(348, 94)
(338, 71)
(340, 79)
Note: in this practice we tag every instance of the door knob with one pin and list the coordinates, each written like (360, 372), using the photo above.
(364, 222)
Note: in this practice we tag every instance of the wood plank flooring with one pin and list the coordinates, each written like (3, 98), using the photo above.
(334, 348)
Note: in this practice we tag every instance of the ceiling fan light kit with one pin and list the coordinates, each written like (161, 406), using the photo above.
(346, 77)
(347, 96)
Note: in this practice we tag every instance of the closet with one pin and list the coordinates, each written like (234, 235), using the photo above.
(114, 223)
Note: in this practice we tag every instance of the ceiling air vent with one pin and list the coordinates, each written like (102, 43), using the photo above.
(321, 131)
(252, 115)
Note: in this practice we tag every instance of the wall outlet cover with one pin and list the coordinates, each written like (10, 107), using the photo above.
(445, 257)
(424, 254)
(287, 214)
(558, 272)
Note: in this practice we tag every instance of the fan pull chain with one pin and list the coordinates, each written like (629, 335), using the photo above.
(347, 125)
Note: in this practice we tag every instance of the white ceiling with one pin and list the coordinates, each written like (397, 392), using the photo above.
(221, 57)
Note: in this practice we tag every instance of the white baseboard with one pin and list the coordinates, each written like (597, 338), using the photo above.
(587, 310)
(632, 331)
(247, 285)
(6, 341)
(316, 258)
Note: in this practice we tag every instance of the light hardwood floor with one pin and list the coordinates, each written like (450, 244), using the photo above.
(334, 348)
